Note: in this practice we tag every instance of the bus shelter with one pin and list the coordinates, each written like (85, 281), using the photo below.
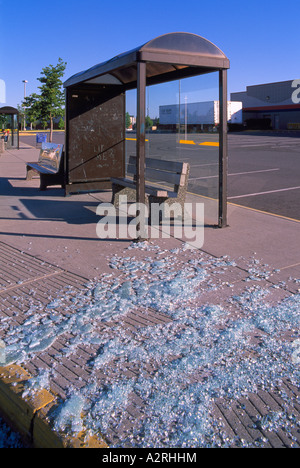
(95, 110)
(9, 121)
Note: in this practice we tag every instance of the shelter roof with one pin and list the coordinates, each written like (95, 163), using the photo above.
(8, 110)
(169, 57)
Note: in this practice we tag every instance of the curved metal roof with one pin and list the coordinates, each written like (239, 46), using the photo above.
(8, 110)
(169, 57)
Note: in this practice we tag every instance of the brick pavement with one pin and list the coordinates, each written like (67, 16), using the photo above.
(27, 281)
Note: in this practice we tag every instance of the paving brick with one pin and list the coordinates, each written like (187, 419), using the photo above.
(241, 420)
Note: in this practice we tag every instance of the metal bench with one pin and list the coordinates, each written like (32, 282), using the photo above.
(49, 166)
(166, 181)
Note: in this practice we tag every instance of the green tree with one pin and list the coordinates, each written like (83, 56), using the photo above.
(49, 104)
(61, 124)
(127, 120)
(30, 108)
(148, 122)
(3, 122)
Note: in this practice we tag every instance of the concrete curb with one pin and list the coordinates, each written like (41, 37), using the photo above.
(28, 415)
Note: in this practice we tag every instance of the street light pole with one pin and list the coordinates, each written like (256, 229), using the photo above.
(179, 121)
(185, 118)
(24, 81)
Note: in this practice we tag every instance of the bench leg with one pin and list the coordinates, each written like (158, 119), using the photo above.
(119, 190)
(169, 208)
(47, 180)
(30, 173)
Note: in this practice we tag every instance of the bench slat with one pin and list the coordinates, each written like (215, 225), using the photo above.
(170, 166)
(171, 172)
(149, 189)
(162, 176)
(50, 155)
(43, 169)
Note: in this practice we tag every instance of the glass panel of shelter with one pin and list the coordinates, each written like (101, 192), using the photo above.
(182, 125)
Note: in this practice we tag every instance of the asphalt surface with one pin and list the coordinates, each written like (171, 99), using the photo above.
(263, 168)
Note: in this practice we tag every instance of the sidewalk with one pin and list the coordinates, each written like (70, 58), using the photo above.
(94, 363)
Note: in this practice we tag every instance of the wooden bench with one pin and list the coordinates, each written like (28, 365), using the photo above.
(49, 166)
(166, 181)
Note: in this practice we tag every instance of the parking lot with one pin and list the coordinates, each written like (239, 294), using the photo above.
(263, 169)
(264, 173)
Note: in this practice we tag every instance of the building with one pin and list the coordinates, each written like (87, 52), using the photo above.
(272, 105)
(197, 116)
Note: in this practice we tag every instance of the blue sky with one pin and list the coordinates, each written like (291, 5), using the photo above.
(260, 38)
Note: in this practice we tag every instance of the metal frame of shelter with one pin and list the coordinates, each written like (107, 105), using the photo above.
(169, 57)
(7, 110)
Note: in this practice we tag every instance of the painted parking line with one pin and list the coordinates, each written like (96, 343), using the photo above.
(264, 212)
(208, 164)
(246, 207)
(264, 193)
(187, 142)
(188, 148)
(254, 172)
(204, 143)
(133, 139)
(209, 143)
(234, 174)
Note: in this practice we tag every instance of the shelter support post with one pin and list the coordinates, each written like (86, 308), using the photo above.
(18, 123)
(140, 149)
(223, 151)
(14, 127)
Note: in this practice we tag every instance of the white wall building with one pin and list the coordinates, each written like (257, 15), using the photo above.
(197, 115)
(275, 103)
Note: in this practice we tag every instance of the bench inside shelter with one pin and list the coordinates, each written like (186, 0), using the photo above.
(49, 166)
(166, 181)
